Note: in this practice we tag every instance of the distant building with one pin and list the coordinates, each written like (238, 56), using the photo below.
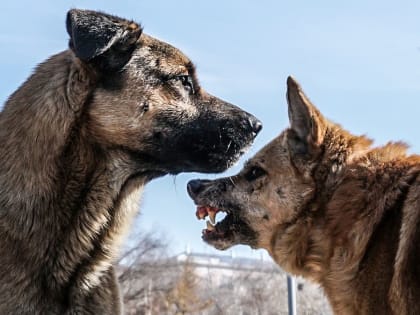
(241, 273)
(216, 285)
(228, 265)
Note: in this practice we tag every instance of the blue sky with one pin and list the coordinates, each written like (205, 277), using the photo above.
(358, 61)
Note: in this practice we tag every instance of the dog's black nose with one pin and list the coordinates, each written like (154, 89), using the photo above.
(194, 187)
(255, 124)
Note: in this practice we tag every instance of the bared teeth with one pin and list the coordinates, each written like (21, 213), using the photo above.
(210, 227)
(212, 216)
(204, 211)
(201, 212)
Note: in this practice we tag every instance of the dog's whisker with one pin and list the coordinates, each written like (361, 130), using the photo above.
(228, 146)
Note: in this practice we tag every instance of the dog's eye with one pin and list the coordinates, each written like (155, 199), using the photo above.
(187, 82)
(254, 173)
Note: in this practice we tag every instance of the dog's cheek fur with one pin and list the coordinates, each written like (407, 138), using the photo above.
(267, 211)
(142, 126)
(105, 117)
(283, 193)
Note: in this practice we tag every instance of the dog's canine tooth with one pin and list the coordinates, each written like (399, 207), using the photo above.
(212, 216)
(201, 213)
(210, 226)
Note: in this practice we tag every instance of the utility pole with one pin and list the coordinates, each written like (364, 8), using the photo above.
(291, 294)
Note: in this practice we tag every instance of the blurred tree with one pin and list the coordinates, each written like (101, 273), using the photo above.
(143, 274)
(152, 283)
(185, 295)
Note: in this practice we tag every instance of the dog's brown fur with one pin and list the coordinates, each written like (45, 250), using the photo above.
(329, 207)
(79, 140)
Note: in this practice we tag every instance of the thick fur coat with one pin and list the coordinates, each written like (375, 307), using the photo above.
(327, 206)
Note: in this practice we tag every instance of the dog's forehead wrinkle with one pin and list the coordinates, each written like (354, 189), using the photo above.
(145, 60)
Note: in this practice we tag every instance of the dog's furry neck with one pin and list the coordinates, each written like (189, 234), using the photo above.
(95, 214)
(321, 244)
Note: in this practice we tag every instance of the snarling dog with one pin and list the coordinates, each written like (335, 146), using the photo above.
(327, 206)
(79, 140)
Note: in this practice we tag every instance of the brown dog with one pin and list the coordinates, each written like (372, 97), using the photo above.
(79, 140)
(329, 207)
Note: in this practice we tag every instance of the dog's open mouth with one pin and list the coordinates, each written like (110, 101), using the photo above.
(221, 234)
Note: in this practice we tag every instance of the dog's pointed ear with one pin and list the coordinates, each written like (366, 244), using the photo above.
(306, 122)
(104, 40)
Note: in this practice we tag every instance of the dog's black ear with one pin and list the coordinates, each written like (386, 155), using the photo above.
(306, 122)
(104, 40)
